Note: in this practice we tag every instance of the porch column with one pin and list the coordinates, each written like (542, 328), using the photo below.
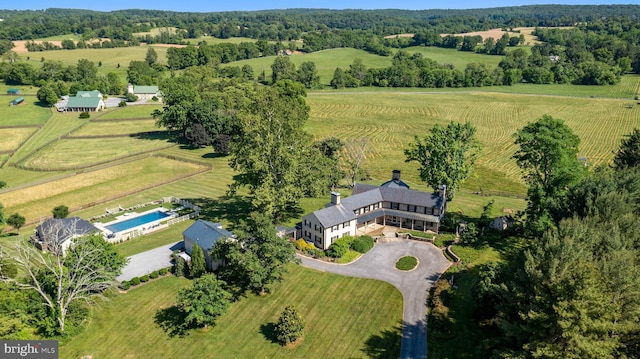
(412, 222)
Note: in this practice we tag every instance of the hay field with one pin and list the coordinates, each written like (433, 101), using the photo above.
(76, 153)
(13, 137)
(459, 59)
(82, 189)
(122, 127)
(390, 120)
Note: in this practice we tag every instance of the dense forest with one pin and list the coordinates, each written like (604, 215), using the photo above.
(283, 25)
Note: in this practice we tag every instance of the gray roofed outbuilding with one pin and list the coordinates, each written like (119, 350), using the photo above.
(206, 234)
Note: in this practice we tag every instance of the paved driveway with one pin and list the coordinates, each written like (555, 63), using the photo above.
(379, 263)
(149, 261)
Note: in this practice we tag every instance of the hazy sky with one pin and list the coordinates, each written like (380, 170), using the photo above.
(218, 5)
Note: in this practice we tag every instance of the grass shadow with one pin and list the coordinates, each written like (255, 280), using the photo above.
(227, 208)
(168, 136)
(268, 331)
(384, 345)
(172, 321)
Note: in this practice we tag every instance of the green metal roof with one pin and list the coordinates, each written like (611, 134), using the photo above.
(82, 102)
(145, 89)
(17, 99)
(94, 93)
(13, 91)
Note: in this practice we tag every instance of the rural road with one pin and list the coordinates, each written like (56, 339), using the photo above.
(379, 263)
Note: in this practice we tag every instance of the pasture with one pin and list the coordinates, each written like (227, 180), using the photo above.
(26, 114)
(345, 318)
(116, 127)
(328, 60)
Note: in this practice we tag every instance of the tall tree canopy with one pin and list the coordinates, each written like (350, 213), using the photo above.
(274, 154)
(548, 158)
(257, 258)
(446, 156)
(574, 293)
(204, 301)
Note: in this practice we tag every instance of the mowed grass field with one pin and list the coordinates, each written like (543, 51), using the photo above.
(118, 127)
(13, 137)
(27, 113)
(345, 318)
(390, 120)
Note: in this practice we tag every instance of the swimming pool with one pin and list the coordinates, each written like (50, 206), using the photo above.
(137, 221)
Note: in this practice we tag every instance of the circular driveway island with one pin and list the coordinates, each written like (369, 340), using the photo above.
(379, 263)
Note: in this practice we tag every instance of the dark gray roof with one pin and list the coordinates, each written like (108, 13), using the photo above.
(395, 183)
(362, 199)
(333, 215)
(412, 197)
(206, 233)
(64, 228)
(360, 187)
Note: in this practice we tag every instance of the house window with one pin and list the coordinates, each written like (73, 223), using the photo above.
(375, 205)
(345, 225)
(335, 228)
(334, 238)
(307, 223)
(394, 205)
(366, 209)
(412, 208)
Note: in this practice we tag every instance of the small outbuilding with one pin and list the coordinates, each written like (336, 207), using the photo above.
(14, 92)
(16, 101)
(205, 234)
(144, 92)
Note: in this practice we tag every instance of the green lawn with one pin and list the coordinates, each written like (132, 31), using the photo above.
(153, 240)
(13, 137)
(27, 113)
(130, 112)
(101, 128)
(110, 58)
(345, 318)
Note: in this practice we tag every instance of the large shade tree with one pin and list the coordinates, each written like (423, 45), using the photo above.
(629, 153)
(204, 301)
(446, 156)
(548, 157)
(275, 156)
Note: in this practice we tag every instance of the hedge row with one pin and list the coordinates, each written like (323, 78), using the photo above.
(125, 285)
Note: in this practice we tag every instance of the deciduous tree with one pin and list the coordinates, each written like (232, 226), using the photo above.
(204, 301)
(548, 158)
(446, 156)
(61, 281)
(60, 211)
(16, 221)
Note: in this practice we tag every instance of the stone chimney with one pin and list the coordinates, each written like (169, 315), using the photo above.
(443, 191)
(395, 175)
(335, 198)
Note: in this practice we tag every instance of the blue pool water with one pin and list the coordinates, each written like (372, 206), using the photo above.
(136, 221)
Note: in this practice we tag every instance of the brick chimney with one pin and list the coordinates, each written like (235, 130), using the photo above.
(395, 175)
(335, 198)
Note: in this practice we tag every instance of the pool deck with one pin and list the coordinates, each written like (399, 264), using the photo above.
(133, 232)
